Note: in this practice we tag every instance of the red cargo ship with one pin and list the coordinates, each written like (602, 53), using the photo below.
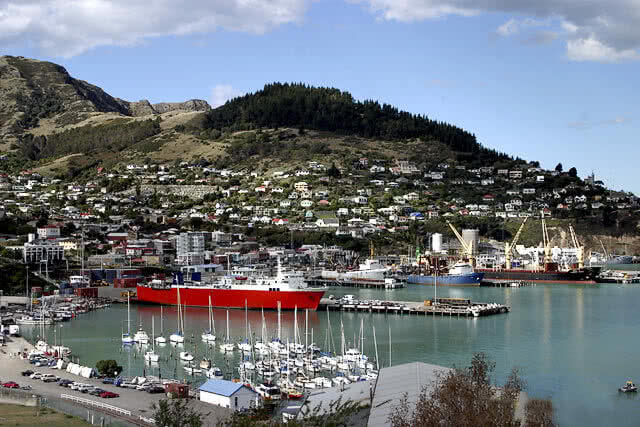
(287, 288)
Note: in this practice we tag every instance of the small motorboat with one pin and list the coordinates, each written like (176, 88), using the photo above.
(629, 387)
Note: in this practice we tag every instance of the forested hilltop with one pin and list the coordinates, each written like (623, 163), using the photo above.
(328, 109)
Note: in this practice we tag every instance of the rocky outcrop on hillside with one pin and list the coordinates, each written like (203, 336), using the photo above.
(144, 107)
(191, 105)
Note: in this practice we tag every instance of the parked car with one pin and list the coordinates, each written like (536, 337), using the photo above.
(36, 376)
(27, 373)
(96, 391)
(11, 384)
(65, 383)
(144, 387)
(109, 395)
(49, 378)
(155, 389)
(108, 380)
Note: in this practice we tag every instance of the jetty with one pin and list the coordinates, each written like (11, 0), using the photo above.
(389, 283)
(458, 307)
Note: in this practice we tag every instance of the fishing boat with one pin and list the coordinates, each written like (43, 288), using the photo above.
(629, 387)
(33, 320)
(214, 373)
(287, 287)
(141, 336)
(460, 274)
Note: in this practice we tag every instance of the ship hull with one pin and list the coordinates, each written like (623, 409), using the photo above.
(471, 279)
(231, 298)
(566, 277)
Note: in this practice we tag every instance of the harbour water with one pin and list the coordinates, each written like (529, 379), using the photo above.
(574, 344)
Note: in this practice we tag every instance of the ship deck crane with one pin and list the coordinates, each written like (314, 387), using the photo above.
(578, 246)
(546, 242)
(508, 247)
(466, 246)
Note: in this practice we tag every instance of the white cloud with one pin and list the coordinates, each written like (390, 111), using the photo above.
(222, 93)
(605, 31)
(588, 124)
(71, 27)
(590, 49)
(508, 28)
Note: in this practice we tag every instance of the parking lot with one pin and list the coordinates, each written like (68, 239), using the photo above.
(138, 402)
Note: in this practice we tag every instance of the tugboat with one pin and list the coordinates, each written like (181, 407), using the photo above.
(629, 387)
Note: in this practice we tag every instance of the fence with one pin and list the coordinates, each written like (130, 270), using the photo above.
(91, 416)
(96, 404)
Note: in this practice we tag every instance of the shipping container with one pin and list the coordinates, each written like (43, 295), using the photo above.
(87, 292)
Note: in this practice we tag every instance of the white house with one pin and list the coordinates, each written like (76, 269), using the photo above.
(228, 394)
(48, 232)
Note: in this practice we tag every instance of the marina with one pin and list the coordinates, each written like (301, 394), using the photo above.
(553, 332)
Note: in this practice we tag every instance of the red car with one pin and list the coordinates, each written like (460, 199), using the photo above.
(108, 394)
(11, 384)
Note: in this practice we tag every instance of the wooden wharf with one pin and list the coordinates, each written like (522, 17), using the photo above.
(414, 308)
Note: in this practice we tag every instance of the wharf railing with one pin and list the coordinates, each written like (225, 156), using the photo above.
(96, 404)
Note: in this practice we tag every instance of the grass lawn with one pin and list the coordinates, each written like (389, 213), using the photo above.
(17, 415)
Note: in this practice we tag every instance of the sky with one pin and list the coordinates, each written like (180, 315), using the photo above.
(550, 80)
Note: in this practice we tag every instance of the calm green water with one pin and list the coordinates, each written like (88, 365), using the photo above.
(575, 344)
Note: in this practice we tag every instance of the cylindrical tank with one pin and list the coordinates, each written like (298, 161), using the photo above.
(436, 242)
(472, 236)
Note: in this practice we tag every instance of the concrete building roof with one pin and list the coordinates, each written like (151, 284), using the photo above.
(396, 381)
(354, 392)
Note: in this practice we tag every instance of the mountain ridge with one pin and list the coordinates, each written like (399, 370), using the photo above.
(31, 90)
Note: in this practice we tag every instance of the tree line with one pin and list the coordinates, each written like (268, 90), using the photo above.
(328, 109)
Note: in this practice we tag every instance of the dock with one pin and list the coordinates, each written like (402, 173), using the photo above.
(443, 307)
(356, 283)
(505, 283)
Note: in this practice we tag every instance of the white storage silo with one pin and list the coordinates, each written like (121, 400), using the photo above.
(472, 236)
(436, 242)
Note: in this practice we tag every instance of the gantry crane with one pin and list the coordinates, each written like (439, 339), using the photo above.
(467, 247)
(508, 247)
(578, 246)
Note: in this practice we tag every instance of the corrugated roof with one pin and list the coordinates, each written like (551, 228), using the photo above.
(221, 387)
(394, 382)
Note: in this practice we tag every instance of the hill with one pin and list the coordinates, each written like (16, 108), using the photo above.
(41, 98)
(331, 110)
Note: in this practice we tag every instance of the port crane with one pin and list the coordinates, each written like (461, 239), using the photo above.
(546, 242)
(508, 247)
(467, 247)
(578, 246)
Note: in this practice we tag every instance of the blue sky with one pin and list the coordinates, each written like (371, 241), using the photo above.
(554, 81)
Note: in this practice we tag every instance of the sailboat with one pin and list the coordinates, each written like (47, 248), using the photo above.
(227, 346)
(209, 336)
(151, 356)
(177, 337)
(126, 337)
(185, 355)
(161, 339)
(245, 345)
